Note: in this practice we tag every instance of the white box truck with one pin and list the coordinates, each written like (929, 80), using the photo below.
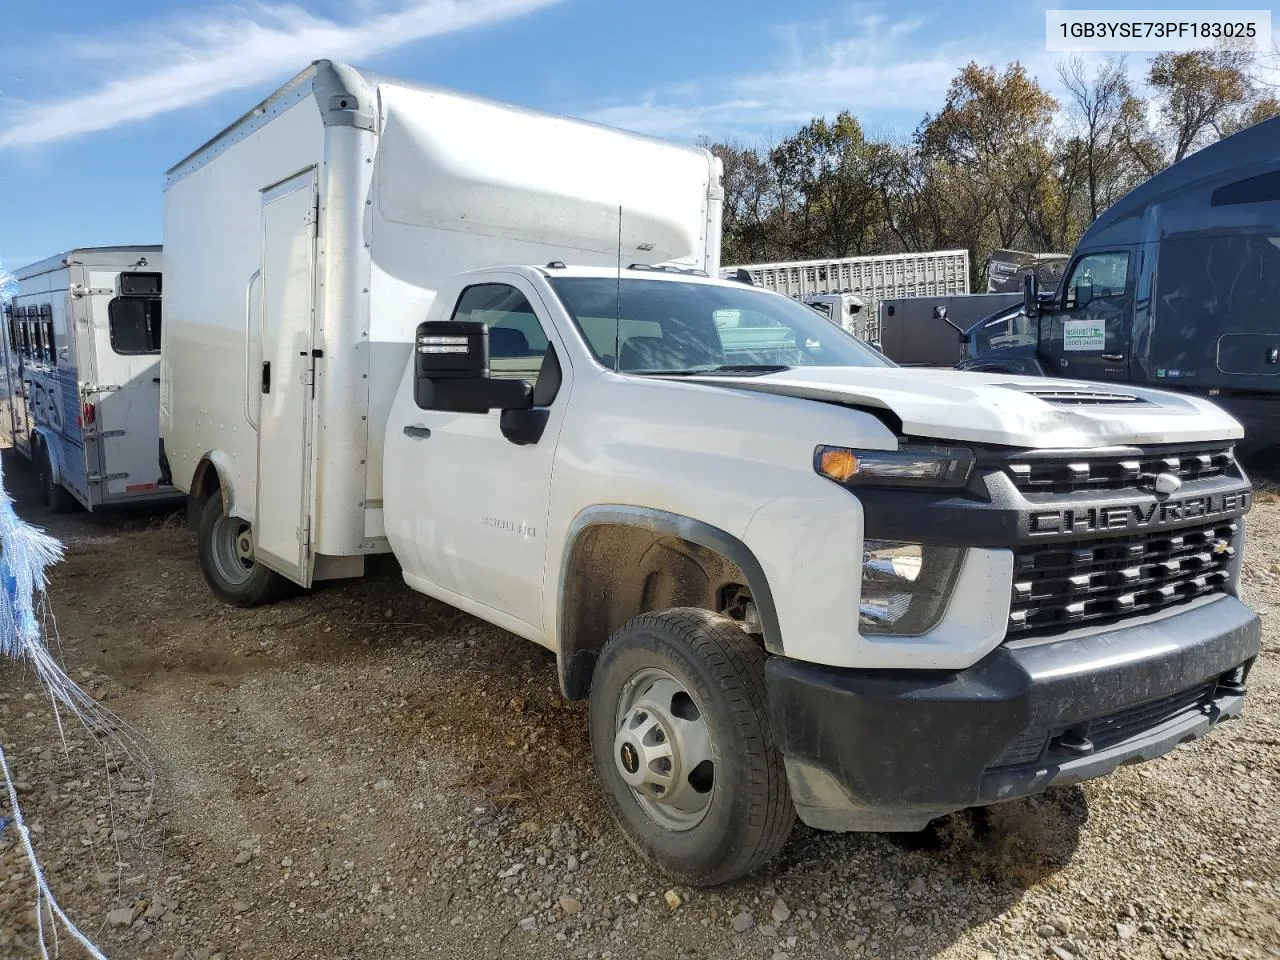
(790, 577)
(82, 360)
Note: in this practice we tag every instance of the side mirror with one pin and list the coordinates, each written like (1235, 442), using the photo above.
(1030, 295)
(1084, 294)
(940, 313)
(451, 371)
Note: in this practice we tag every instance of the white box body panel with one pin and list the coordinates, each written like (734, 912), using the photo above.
(213, 217)
(414, 186)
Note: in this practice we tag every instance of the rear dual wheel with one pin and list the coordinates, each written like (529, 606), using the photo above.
(682, 744)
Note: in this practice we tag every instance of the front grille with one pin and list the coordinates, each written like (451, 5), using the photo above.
(1065, 585)
(1118, 470)
(1026, 749)
(1105, 732)
(1127, 724)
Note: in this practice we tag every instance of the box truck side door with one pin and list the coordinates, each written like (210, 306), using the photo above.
(285, 377)
(466, 507)
(1089, 337)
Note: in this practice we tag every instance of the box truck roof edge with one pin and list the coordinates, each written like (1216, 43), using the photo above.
(341, 81)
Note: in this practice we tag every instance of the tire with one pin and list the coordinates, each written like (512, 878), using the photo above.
(53, 495)
(717, 671)
(226, 559)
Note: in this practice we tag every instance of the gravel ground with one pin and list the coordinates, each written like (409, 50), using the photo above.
(363, 772)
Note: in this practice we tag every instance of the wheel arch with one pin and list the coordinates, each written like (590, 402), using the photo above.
(581, 634)
(47, 440)
(213, 473)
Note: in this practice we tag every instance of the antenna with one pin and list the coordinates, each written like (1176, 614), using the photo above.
(617, 310)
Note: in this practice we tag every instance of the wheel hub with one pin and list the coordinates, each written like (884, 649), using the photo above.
(662, 750)
(232, 544)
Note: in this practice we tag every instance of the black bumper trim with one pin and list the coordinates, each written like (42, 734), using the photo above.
(885, 750)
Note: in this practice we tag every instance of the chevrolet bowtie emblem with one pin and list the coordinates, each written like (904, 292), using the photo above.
(1220, 547)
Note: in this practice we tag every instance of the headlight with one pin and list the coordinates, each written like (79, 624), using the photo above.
(922, 467)
(905, 586)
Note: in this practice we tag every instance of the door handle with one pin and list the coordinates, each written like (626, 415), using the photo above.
(1113, 357)
(266, 376)
(416, 431)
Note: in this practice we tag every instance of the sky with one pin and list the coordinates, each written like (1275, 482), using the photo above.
(97, 100)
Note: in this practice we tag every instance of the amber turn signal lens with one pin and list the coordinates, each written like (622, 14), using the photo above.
(837, 464)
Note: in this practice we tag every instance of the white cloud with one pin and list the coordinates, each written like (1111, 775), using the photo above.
(820, 72)
(236, 48)
(885, 71)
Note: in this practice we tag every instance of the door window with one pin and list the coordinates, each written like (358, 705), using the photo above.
(134, 325)
(1098, 276)
(517, 342)
(1216, 294)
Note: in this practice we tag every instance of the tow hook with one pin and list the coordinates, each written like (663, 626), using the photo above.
(1074, 741)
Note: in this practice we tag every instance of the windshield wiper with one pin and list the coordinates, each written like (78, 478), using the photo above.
(724, 369)
(751, 368)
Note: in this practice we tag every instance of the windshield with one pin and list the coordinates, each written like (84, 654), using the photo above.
(1002, 331)
(668, 326)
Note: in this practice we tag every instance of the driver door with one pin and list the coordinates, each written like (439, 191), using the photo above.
(1090, 335)
(467, 507)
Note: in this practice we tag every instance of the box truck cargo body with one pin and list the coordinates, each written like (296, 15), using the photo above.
(308, 240)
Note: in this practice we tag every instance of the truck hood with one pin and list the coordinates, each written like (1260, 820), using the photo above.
(1007, 410)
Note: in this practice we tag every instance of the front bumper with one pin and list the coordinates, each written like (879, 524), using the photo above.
(891, 750)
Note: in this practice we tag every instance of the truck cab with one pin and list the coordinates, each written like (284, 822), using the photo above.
(847, 311)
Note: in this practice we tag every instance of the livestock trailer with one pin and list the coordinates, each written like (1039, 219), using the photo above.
(873, 278)
(82, 361)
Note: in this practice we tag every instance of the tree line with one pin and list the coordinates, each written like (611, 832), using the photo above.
(1003, 164)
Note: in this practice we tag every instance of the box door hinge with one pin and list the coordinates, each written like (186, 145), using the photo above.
(80, 290)
(304, 532)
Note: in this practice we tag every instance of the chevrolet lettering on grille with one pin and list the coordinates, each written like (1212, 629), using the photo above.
(1138, 516)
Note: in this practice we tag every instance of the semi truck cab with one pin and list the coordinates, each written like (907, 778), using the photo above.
(1175, 286)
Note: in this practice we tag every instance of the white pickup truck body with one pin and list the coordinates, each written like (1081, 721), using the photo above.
(791, 577)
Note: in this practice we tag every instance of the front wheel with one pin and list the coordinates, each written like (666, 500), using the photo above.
(227, 559)
(682, 744)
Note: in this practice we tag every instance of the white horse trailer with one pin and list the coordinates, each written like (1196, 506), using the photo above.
(82, 359)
